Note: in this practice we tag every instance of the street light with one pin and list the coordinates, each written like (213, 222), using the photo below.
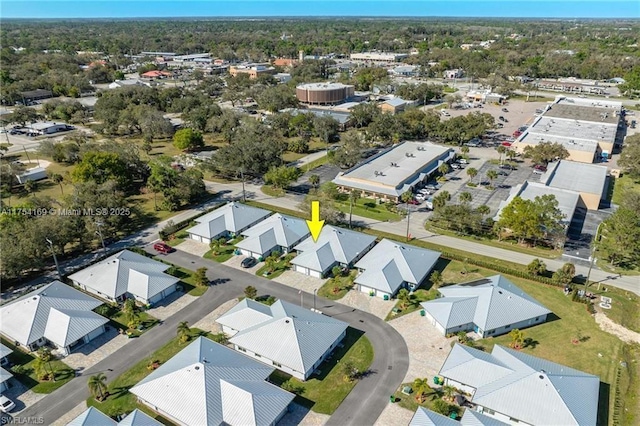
(99, 233)
(314, 298)
(55, 259)
(592, 257)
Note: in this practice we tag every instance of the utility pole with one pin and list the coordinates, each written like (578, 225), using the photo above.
(314, 298)
(99, 233)
(408, 219)
(592, 257)
(55, 259)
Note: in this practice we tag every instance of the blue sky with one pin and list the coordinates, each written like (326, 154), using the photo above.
(256, 8)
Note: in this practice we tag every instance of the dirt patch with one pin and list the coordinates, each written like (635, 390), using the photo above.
(617, 330)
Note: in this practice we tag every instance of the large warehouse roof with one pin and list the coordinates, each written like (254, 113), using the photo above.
(567, 200)
(322, 86)
(581, 177)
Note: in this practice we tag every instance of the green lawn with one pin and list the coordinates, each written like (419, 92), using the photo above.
(146, 320)
(597, 352)
(179, 238)
(282, 264)
(324, 393)
(225, 252)
(271, 191)
(624, 307)
(410, 403)
(120, 400)
(188, 282)
(314, 164)
(23, 364)
(367, 207)
(337, 287)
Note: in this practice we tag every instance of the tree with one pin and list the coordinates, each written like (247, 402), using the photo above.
(188, 139)
(421, 387)
(441, 200)
(465, 197)
(299, 145)
(517, 338)
(46, 356)
(511, 154)
(619, 241)
(629, 159)
(57, 178)
(545, 152)
(537, 267)
(350, 150)
(501, 150)
(40, 368)
(336, 271)
(282, 176)
(492, 175)
(404, 298)
(436, 279)
(183, 331)
(250, 292)
(129, 311)
(200, 277)
(314, 181)
(472, 173)
(483, 209)
(325, 127)
(449, 391)
(220, 338)
(275, 98)
(216, 244)
(531, 220)
(354, 196)
(444, 168)
(349, 370)
(440, 406)
(100, 167)
(31, 186)
(98, 386)
(364, 113)
(464, 150)
(23, 115)
(270, 263)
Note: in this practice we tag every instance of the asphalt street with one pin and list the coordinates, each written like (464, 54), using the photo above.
(364, 404)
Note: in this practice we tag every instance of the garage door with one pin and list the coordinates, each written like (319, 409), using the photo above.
(95, 333)
(365, 289)
(196, 237)
(316, 274)
(301, 269)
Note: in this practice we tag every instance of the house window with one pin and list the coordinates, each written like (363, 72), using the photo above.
(241, 349)
(537, 318)
(511, 419)
(488, 411)
(258, 355)
(276, 364)
(507, 326)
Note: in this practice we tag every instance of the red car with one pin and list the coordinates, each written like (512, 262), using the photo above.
(163, 247)
(517, 133)
(540, 167)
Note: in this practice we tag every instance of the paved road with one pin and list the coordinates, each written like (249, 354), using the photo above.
(363, 405)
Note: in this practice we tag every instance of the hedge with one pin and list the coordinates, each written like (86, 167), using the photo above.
(175, 227)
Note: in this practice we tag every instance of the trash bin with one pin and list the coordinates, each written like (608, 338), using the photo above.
(422, 313)
(385, 297)
(392, 399)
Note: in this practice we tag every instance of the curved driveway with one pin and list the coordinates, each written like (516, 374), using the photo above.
(362, 406)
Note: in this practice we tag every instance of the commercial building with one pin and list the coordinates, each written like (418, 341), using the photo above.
(252, 70)
(378, 57)
(226, 222)
(209, 384)
(48, 127)
(35, 95)
(37, 173)
(324, 93)
(589, 130)
(395, 171)
(391, 265)
(454, 73)
(517, 388)
(489, 307)
(55, 313)
(393, 106)
(129, 82)
(485, 96)
(334, 247)
(127, 275)
(156, 74)
(291, 338)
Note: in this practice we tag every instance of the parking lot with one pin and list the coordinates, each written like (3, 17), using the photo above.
(326, 172)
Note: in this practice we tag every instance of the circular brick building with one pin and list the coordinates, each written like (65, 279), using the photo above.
(323, 93)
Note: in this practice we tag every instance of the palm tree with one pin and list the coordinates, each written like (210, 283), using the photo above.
(492, 175)
(404, 297)
(40, 368)
(465, 197)
(46, 356)
(501, 150)
(314, 180)
(129, 311)
(464, 150)
(215, 246)
(448, 392)
(420, 387)
(270, 263)
(471, 172)
(511, 154)
(97, 386)
(31, 186)
(483, 209)
(57, 178)
(443, 168)
(183, 332)
(353, 198)
(517, 338)
(436, 279)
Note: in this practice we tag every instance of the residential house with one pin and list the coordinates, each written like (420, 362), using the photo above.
(127, 275)
(4, 379)
(275, 233)
(335, 246)
(425, 417)
(55, 313)
(209, 384)
(4, 362)
(391, 265)
(518, 388)
(289, 337)
(490, 307)
(226, 222)
(393, 106)
(4, 353)
(93, 417)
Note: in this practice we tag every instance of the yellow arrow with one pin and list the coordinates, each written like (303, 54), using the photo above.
(315, 224)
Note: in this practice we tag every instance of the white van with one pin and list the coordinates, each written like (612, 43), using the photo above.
(445, 113)
(463, 161)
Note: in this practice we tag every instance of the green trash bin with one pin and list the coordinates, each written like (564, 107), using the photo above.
(422, 313)
(386, 297)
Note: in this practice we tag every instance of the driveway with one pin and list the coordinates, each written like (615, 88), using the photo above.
(236, 260)
(194, 247)
(300, 281)
(361, 407)
(96, 350)
(374, 305)
(171, 304)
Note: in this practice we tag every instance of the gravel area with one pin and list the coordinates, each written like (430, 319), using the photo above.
(78, 409)
(617, 330)
(300, 281)
(394, 414)
(364, 302)
(95, 351)
(428, 349)
(209, 323)
(170, 305)
(298, 415)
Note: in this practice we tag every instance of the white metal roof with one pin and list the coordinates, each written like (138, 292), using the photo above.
(210, 384)
(138, 418)
(474, 418)
(292, 336)
(489, 303)
(26, 319)
(333, 245)
(4, 375)
(276, 230)
(92, 417)
(424, 417)
(232, 217)
(126, 272)
(4, 351)
(394, 170)
(574, 176)
(390, 263)
(66, 326)
(524, 387)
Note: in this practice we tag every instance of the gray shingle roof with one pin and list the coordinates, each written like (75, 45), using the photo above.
(291, 335)
(92, 417)
(232, 217)
(499, 303)
(214, 384)
(126, 272)
(530, 389)
(391, 263)
(424, 417)
(26, 319)
(276, 230)
(333, 245)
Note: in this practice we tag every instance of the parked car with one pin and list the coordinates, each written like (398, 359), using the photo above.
(502, 173)
(474, 143)
(163, 247)
(445, 113)
(539, 111)
(540, 167)
(499, 125)
(505, 110)
(506, 167)
(248, 262)
(463, 161)
(537, 172)
(456, 166)
(6, 405)
(501, 118)
(425, 191)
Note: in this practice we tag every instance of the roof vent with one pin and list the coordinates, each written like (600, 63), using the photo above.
(197, 367)
(287, 321)
(499, 291)
(541, 376)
